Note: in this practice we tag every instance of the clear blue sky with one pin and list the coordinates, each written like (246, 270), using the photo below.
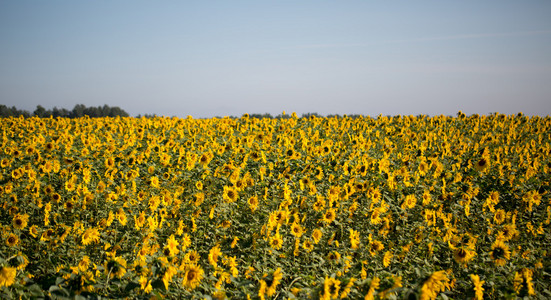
(218, 58)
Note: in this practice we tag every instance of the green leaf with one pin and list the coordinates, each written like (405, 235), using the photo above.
(36, 291)
(130, 286)
(158, 284)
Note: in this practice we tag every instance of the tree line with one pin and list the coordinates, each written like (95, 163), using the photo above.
(80, 110)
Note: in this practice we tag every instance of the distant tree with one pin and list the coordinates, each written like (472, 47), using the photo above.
(93, 112)
(148, 116)
(308, 115)
(261, 116)
(283, 116)
(12, 112)
(5, 111)
(255, 116)
(105, 110)
(78, 111)
(117, 111)
(57, 112)
(39, 111)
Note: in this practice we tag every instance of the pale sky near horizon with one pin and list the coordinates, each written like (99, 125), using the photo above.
(222, 58)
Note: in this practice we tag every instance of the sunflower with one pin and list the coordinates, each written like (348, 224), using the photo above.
(409, 202)
(110, 163)
(478, 289)
(436, 283)
(276, 242)
(116, 267)
(347, 287)
(296, 230)
(376, 216)
(253, 203)
(524, 283)
(463, 255)
(139, 221)
(319, 204)
(276, 278)
(213, 256)
(277, 217)
(186, 241)
(500, 252)
(375, 246)
(192, 256)
(48, 190)
(225, 224)
(172, 246)
(192, 276)
(329, 216)
(316, 235)
(423, 168)
(7, 276)
(373, 285)
(354, 239)
(308, 246)
(262, 289)
(121, 216)
(100, 188)
(481, 165)
(205, 159)
(30, 150)
(331, 287)
(69, 205)
(199, 185)
(34, 231)
(20, 221)
(84, 263)
(230, 194)
(387, 258)
(91, 235)
(56, 197)
(509, 231)
(334, 192)
(333, 256)
(326, 149)
(426, 197)
(12, 240)
(289, 153)
(499, 216)
(240, 184)
(234, 242)
(145, 284)
(47, 235)
(5, 163)
(154, 181)
(255, 155)
(23, 261)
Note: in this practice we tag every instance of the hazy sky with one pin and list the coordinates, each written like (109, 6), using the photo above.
(218, 58)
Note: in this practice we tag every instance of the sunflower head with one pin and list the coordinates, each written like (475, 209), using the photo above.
(192, 276)
(481, 164)
(12, 240)
(7, 276)
(20, 221)
(500, 253)
(463, 255)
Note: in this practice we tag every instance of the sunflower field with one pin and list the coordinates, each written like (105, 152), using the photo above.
(288, 208)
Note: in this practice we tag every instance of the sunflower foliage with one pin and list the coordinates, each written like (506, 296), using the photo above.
(300, 208)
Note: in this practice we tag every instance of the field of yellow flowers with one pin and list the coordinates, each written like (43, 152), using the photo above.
(300, 208)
